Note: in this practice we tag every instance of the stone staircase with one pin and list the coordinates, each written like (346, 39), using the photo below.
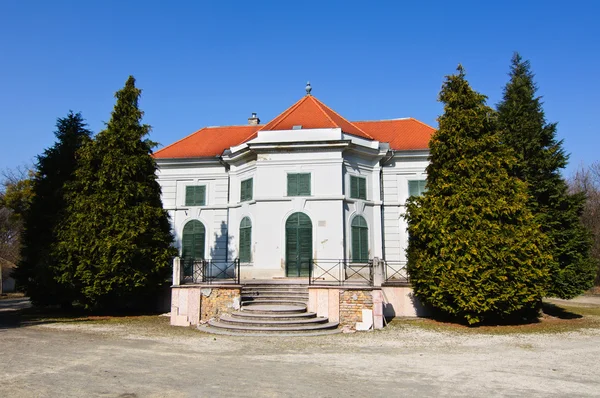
(272, 309)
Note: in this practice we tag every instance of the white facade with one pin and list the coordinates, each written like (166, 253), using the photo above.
(332, 158)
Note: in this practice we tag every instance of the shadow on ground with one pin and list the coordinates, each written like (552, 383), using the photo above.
(18, 313)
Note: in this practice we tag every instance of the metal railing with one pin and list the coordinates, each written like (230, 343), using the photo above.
(210, 271)
(340, 272)
(395, 272)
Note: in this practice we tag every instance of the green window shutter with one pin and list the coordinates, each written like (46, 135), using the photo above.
(362, 188)
(243, 189)
(417, 187)
(189, 195)
(304, 184)
(195, 195)
(292, 184)
(364, 245)
(358, 187)
(245, 240)
(249, 189)
(360, 240)
(193, 240)
(201, 195)
(355, 244)
(353, 187)
(413, 188)
(246, 191)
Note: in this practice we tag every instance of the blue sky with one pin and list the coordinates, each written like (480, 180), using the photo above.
(213, 63)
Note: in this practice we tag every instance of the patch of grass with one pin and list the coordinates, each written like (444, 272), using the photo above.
(140, 324)
(554, 319)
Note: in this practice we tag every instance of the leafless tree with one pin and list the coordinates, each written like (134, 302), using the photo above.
(587, 179)
(10, 223)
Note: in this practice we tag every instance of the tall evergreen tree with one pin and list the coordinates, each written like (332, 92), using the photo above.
(540, 157)
(55, 168)
(474, 252)
(116, 241)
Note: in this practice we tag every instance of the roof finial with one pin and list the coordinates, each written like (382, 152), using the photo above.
(308, 88)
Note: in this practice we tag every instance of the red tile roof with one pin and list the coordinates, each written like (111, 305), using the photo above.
(207, 142)
(310, 113)
(401, 134)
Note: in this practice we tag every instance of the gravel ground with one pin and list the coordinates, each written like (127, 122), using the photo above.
(153, 360)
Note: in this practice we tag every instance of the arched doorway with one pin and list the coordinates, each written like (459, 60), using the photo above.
(298, 245)
(192, 244)
(245, 249)
(360, 240)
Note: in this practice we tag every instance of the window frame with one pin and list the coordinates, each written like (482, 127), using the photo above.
(194, 201)
(359, 231)
(421, 189)
(245, 226)
(244, 196)
(358, 180)
(297, 191)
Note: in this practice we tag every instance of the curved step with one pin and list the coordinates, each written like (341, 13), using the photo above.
(271, 308)
(248, 299)
(232, 320)
(273, 316)
(231, 332)
(273, 293)
(291, 328)
(252, 303)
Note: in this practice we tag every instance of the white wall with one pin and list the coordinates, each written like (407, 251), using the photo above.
(329, 206)
(397, 172)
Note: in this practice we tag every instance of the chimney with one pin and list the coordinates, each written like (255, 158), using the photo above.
(253, 121)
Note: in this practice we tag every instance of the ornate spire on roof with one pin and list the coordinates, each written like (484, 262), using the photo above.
(308, 88)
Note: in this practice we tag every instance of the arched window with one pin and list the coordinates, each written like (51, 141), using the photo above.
(245, 240)
(192, 244)
(360, 240)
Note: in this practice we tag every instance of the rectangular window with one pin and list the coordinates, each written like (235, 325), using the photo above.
(195, 195)
(298, 184)
(358, 187)
(416, 187)
(246, 190)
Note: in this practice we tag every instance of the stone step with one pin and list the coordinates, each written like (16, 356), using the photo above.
(232, 320)
(290, 328)
(275, 289)
(274, 298)
(272, 316)
(272, 308)
(273, 293)
(278, 301)
(242, 333)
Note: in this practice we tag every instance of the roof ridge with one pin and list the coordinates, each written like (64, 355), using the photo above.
(343, 118)
(285, 113)
(383, 120)
(424, 124)
(319, 103)
(178, 141)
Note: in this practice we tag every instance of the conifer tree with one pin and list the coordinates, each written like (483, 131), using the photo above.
(55, 168)
(475, 252)
(540, 157)
(116, 241)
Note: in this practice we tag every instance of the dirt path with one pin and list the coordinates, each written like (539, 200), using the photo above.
(108, 360)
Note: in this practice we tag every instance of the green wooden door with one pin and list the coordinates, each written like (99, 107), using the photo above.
(192, 244)
(360, 240)
(298, 244)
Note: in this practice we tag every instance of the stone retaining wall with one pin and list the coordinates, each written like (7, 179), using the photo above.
(352, 302)
(193, 304)
(217, 301)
